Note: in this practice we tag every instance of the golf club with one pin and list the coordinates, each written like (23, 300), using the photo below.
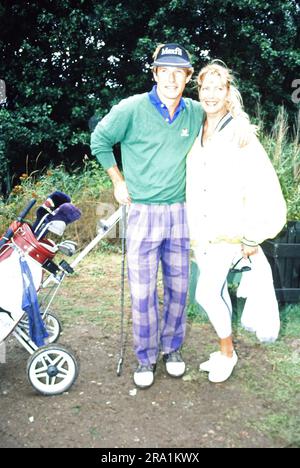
(123, 234)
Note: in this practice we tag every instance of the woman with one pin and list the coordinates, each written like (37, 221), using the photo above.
(234, 202)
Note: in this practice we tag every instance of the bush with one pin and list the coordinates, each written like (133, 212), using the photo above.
(85, 186)
(285, 156)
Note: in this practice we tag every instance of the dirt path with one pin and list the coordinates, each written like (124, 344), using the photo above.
(103, 410)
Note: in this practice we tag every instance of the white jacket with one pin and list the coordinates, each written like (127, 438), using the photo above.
(232, 192)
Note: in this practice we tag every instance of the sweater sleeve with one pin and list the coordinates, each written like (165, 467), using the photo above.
(265, 207)
(109, 131)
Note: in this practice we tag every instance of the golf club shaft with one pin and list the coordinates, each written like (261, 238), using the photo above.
(123, 234)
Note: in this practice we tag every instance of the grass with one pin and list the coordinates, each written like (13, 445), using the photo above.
(270, 373)
(94, 288)
(282, 426)
(273, 375)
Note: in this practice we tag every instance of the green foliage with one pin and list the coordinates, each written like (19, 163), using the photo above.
(83, 185)
(281, 383)
(196, 314)
(259, 40)
(290, 321)
(285, 156)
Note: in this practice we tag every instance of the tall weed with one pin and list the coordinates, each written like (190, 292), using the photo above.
(284, 153)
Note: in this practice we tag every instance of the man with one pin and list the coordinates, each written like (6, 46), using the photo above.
(156, 131)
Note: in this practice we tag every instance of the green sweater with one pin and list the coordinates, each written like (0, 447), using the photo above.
(153, 151)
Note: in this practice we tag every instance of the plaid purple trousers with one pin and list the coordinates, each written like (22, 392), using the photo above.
(157, 233)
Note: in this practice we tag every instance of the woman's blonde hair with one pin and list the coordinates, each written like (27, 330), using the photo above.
(234, 102)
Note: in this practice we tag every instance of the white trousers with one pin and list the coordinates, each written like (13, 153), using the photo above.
(260, 314)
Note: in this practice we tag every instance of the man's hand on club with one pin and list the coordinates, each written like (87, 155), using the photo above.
(121, 193)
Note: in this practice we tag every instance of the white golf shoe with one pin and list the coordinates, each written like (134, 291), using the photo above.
(143, 377)
(219, 366)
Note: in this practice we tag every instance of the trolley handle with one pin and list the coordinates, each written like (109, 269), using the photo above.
(10, 232)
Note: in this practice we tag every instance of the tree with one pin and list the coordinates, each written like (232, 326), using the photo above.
(257, 39)
(62, 62)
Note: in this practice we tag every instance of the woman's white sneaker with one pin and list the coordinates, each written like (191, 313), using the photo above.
(221, 367)
(205, 366)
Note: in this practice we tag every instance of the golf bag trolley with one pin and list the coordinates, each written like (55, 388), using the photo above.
(30, 280)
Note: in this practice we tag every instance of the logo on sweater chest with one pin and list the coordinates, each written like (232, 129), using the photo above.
(185, 132)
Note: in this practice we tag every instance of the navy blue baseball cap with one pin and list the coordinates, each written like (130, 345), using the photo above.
(172, 55)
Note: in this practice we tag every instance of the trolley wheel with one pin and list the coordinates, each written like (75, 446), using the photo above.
(52, 324)
(52, 370)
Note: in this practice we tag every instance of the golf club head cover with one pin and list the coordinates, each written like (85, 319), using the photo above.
(54, 200)
(58, 198)
(67, 213)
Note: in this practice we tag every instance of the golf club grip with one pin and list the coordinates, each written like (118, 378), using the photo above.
(6, 237)
(26, 210)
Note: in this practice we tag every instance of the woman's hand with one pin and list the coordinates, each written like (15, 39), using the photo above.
(247, 251)
(244, 131)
